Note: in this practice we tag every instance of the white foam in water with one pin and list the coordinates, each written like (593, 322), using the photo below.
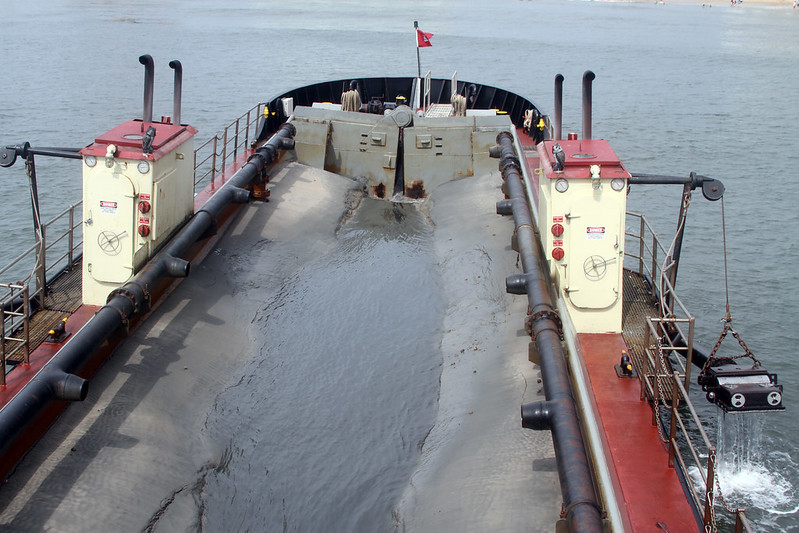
(748, 477)
(755, 485)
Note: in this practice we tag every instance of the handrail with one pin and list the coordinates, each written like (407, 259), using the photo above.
(64, 248)
(214, 155)
(681, 400)
(15, 306)
(689, 444)
(16, 309)
(650, 249)
(655, 380)
(71, 250)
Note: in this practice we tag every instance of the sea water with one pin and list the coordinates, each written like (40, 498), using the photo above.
(679, 88)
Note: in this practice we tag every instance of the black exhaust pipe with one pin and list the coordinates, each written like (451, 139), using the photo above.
(559, 412)
(178, 90)
(149, 82)
(557, 124)
(588, 77)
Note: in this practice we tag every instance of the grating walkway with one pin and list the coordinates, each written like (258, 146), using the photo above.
(439, 110)
(64, 297)
(639, 303)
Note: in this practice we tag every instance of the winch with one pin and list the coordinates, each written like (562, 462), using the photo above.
(737, 388)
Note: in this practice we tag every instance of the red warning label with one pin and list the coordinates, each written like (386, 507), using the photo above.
(107, 207)
(595, 232)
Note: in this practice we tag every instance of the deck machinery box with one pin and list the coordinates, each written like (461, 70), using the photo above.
(138, 188)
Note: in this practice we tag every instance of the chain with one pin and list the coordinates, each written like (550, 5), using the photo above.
(711, 358)
(713, 496)
(728, 316)
(714, 525)
(662, 394)
(718, 489)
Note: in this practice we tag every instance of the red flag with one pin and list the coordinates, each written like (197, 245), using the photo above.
(423, 39)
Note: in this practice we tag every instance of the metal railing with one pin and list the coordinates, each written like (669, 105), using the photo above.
(668, 388)
(48, 257)
(66, 244)
(655, 263)
(14, 313)
(214, 155)
(61, 239)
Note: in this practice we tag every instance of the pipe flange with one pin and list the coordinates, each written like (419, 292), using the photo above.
(122, 291)
(145, 293)
(545, 313)
(510, 162)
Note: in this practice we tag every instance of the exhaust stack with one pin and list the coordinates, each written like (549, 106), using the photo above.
(176, 98)
(149, 82)
(557, 124)
(588, 77)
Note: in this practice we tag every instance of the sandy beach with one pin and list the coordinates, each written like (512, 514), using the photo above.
(787, 4)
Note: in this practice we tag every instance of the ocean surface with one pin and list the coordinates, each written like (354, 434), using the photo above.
(679, 88)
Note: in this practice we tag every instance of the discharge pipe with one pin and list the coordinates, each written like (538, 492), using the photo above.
(59, 378)
(559, 412)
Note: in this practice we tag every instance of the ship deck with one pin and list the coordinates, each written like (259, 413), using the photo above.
(141, 464)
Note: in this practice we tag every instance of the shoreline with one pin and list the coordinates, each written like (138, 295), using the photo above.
(717, 3)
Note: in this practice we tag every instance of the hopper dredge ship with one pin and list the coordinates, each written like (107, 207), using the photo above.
(614, 343)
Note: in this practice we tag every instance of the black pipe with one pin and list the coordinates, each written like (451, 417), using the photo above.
(699, 354)
(559, 412)
(9, 154)
(557, 124)
(178, 90)
(149, 82)
(712, 189)
(588, 77)
(59, 378)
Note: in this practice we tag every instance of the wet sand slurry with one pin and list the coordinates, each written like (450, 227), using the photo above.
(132, 456)
(479, 470)
(136, 454)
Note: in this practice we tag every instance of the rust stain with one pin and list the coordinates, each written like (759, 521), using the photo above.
(415, 190)
(380, 190)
